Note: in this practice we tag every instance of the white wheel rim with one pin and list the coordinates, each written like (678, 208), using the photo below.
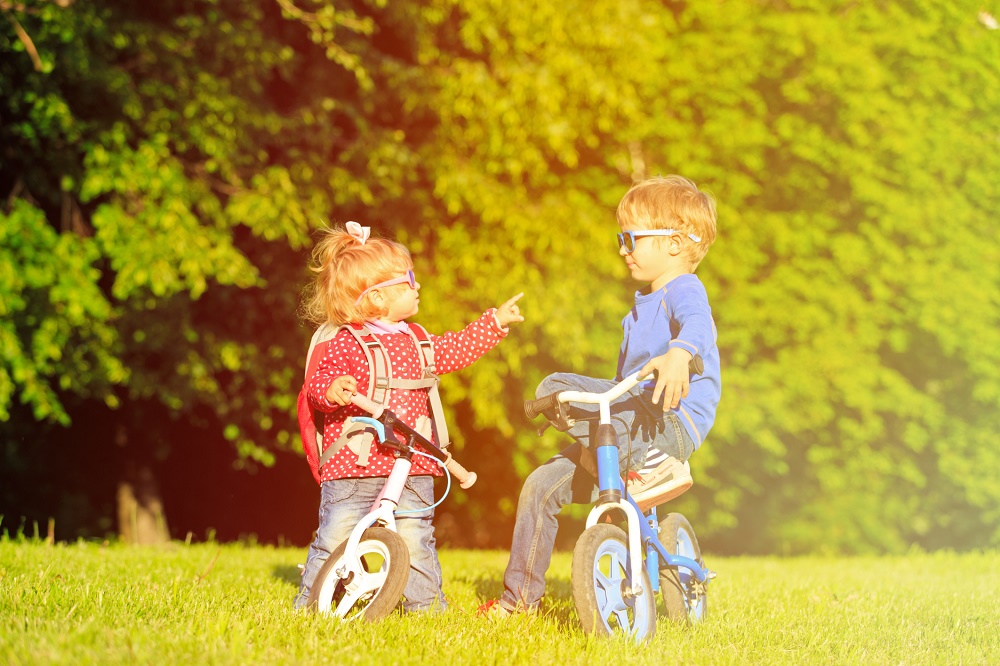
(685, 548)
(609, 576)
(364, 586)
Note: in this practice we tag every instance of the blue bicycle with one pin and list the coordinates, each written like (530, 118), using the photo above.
(617, 572)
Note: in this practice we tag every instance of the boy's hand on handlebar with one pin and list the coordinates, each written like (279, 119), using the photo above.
(509, 312)
(672, 377)
(341, 389)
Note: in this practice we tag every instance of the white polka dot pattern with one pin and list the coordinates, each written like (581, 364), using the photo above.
(343, 356)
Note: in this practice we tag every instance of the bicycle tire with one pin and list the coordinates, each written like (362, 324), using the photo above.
(386, 564)
(684, 599)
(600, 574)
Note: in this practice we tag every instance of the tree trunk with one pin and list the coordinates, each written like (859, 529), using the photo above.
(141, 520)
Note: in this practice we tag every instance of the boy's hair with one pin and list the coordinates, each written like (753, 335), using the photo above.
(671, 202)
(344, 268)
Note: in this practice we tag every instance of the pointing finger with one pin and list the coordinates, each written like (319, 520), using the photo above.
(512, 300)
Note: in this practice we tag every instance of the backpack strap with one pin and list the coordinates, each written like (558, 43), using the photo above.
(424, 343)
(379, 371)
(431, 381)
(379, 367)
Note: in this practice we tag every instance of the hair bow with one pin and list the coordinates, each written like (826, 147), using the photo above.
(358, 232)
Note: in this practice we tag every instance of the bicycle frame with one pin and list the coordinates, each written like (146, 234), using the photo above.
(382, 513)
(614, 495)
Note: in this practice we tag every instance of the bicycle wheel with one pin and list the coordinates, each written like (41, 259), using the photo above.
(601, 579)
(372, 594)
(684, 598)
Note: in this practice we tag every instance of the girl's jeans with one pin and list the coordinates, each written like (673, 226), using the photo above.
(343, 502)
(562, 481)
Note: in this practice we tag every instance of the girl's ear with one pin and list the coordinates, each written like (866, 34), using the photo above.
(379, 300)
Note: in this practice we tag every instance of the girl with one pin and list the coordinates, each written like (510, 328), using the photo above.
(370, 281)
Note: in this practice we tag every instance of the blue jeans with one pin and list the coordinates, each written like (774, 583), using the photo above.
(563, 480)
(343, 502)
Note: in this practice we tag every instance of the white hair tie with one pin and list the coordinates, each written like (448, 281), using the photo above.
(358, 232)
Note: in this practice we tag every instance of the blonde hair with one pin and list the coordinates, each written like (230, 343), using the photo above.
(344, 268)
(671, 202)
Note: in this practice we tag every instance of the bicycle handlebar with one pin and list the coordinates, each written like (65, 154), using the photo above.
(465, 478)
(533, 408)
(367, 404)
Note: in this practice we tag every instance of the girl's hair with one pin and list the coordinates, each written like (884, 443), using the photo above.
(671, 202)
(344, 268)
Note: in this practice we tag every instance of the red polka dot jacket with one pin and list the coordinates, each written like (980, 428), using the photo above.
(343, 356)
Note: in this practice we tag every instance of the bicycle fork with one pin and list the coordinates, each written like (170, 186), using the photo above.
(381, 513)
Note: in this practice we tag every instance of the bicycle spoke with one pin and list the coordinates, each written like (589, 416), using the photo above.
(371, 581)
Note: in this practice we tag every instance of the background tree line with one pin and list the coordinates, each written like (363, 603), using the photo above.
(163, 167)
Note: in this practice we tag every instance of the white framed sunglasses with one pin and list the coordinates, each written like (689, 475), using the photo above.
(409, 278)
(626, 239)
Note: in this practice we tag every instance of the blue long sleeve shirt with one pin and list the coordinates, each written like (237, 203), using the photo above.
(678, 315)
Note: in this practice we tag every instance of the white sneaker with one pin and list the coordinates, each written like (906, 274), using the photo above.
(668, 480)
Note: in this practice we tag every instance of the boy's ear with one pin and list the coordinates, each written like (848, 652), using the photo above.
(674, 245)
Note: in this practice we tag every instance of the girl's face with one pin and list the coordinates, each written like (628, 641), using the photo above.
(402, 301)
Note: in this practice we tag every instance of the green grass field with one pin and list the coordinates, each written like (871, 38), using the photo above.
(86, 603)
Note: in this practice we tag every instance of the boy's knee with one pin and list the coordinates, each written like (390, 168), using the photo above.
(532, 483)
(557, 381)
(534, 489)
(544, 483)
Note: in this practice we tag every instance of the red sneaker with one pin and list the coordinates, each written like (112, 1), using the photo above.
(492, 610)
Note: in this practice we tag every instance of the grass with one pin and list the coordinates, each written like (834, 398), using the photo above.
(88, 603)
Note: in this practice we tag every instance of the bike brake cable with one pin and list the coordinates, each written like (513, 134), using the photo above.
(447, 488)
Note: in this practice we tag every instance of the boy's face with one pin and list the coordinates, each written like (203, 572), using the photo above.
(650, 262)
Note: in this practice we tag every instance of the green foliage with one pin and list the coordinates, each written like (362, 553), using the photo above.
(858, 299)
(55, 325)
(184, 152)
(855, 259)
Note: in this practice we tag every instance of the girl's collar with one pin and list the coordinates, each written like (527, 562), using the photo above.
(379, 326)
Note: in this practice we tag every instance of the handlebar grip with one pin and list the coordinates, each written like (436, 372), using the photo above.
(696, 365)
(465, 478)
(533, 408)
(367, 404)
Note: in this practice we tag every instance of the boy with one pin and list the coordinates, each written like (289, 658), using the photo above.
(667, 225)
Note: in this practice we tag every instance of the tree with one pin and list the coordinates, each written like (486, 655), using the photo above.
(852, 165)
(149, 137)
(165, 170)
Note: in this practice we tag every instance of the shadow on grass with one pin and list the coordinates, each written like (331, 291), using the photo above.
(557, 604)
(288, 573)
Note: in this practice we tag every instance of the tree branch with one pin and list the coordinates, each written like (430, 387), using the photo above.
(296, 12)
(26, 40)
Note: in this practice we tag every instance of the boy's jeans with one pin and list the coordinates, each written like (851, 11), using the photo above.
(562, 481)
(343, 502)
